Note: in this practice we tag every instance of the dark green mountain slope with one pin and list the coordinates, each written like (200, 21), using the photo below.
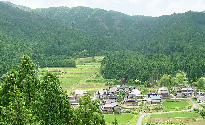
(179, 37)
(133, 32)
(42, 38)
(59, 32)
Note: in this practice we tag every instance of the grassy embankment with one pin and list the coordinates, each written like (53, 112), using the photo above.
(84, 77)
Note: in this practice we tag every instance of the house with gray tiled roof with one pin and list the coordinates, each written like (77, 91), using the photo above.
(187, 91)
(163, 92)
(201, 99)
(155, 99)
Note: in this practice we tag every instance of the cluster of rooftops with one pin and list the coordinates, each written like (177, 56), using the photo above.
(123, 97)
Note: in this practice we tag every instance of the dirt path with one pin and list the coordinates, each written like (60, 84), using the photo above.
(143, 115)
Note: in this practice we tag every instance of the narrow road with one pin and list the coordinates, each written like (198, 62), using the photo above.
(141, 118)
(143, 115)
(194, 104)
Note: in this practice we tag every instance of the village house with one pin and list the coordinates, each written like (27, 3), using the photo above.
(155, 99)
(79, 93)
(130, 102)
(113, 90)
(187, 91)
(71, 98)
(136, 92)
(74, 103)
(124, 88)
(112, 96)
(163, 92)
(74, 100)
(149, 95)
(201, 99)
(147, 98)
(102, 94)
(200, 93)
(110, 106)
(178, 93)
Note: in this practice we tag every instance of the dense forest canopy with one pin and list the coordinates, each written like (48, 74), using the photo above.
(53, 35)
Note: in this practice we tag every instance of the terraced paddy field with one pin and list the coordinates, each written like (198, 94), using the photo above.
(85, 76)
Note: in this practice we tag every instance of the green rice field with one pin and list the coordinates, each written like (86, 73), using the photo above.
(87, 69)
(175, 115)
(181, 103)
(176, 105)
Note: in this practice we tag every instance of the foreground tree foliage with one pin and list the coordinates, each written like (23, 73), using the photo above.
(25, 99)
(89, 112)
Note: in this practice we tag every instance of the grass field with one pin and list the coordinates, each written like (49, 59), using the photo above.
(87, 69)
(181, 103)
(122, 119)
(175, 115)
(177, 105)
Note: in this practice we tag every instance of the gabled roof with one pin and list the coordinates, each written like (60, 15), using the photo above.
(102, 91)
(73, 101)
(187, 88)
(163, 88)
(124, 86)
(136, 92)
(110, 101)
(80, 92)
(149, 95)
(113, 89)
(111, 105)
(108, 106)
(131, 100)
(155, 97)
(201, 98)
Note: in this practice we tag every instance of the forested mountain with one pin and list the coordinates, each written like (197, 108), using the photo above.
(168, 44)
(45, 40)
(53, 34)
(129, 31)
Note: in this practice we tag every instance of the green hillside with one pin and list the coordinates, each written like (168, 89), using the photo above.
(155, 34)
(52, 36)
(46, 41)
(166, 44)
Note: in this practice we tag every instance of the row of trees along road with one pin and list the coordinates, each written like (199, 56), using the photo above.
(27, 99)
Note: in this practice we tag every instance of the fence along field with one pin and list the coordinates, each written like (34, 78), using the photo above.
(81, 77)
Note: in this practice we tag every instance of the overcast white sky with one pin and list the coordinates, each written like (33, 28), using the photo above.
(131, 7)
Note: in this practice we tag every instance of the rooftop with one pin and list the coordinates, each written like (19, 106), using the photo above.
(187, 88)
(201, 98)
(163, 88)
(155, 97)
(80, 92)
